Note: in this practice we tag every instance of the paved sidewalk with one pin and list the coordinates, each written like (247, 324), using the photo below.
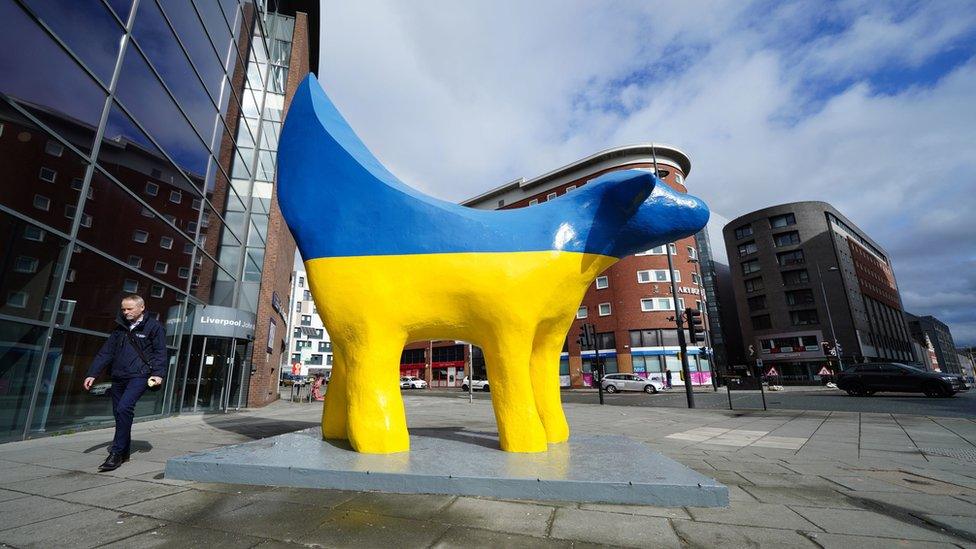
(797, 479)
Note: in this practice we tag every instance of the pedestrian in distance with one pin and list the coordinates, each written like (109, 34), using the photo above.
(135, 355)
(667, 377)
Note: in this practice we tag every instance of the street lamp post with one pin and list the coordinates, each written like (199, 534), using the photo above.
(830, 321)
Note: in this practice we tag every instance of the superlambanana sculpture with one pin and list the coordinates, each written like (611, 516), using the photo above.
(388, 265)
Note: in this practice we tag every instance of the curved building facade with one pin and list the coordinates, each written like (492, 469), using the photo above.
(805, 277)
(630, 304)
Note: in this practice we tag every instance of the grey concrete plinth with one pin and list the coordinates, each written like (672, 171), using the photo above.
(588, 468)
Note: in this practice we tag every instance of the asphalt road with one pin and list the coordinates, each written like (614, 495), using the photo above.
(961, 405)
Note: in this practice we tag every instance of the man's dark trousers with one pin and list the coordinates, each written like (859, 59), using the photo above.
(125, 394)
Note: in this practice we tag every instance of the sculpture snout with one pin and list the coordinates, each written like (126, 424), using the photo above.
(665, 216)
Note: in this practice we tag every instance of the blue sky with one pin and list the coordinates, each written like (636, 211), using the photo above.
(870, 106)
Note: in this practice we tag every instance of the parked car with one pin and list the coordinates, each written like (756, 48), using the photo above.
(867, 379)
(411, 382)
(293, 379)
(476, 385)
(629, 382)
(100, 389)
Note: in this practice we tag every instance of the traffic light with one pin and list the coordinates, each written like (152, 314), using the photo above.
(695, 324)
(587, 337)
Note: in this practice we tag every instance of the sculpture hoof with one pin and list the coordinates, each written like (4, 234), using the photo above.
(381, 445)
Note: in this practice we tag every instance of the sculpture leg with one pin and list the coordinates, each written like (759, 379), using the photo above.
(334, 411)
(544, 372)
(519, 426)
(377, 422)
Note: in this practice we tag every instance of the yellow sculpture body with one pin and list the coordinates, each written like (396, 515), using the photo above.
(388, 265)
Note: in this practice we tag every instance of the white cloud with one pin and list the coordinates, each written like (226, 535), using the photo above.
(457, 98)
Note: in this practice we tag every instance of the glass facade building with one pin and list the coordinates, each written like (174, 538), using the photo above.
(137, 155)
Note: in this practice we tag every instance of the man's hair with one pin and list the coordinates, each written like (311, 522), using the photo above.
(135, 298)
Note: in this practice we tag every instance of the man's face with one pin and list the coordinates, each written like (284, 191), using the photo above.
(132, 309)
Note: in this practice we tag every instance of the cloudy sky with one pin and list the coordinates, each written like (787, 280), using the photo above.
(868, 105)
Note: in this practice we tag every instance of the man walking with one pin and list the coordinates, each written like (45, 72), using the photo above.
(136, 354)
(667, 377)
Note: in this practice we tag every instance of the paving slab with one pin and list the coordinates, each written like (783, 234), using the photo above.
(922, 503)
(766, 515)
(613, 529)
(180, 535)
(358, 530)
(639, 510)
(462, 537)
(843, 541)
(6, 495)
(964, 524)
(63, 483)
(414, 506)
(26, 472)
(31, 509)
(703, 534)
(120, 494)
(814, 497)
(89, 528)
(504, 516)
(188, 506)
(267, 519)
(867, 523)
(462, 463)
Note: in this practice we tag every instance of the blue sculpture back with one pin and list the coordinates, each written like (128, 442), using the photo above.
(340, 201)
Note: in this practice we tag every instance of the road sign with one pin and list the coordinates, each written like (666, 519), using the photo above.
(772, 372)
(824, 372)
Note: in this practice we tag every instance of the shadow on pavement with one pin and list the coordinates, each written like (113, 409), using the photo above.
(135, 446)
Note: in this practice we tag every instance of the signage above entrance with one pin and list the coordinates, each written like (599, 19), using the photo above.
(212, 321)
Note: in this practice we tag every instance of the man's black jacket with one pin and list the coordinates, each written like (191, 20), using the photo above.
(123, 358)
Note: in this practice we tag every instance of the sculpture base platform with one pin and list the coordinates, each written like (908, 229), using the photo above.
(587, 468)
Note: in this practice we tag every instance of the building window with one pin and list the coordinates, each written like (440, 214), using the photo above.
(42, 202)
(743, 231)
(161, 267)
(166, 242)
(695, 279)
(581, 312)
(140, 236)
(678, 179)
(307, 296)
(657, 304)
(786, 239)
(152, 189)
(786, 259)
(306, 320)
(196, 204)
(86, 220)
(570, 188)
(761, 322)
(602, 282)
(692, 252)
(295, 357)
(26, 264)
(604, 309)
(747, 248)
(53, 148)
(17, 299)
(656, 275)
(134, 261)
(756, 303)
(674, 248)
(751, 266)
(550, 196)
(806, 316)
(792, 278)
(188, 248)
(47, 174)
(784, 220)
(324, 346)
(298, 306)
(314, 360)
(297, 332)
(301, 282)
(157, 290)
(77, 183)
(183, 272)
(130, 286)
(501, 203)
(799, 297)
(175, 197)
(69, 211)
(677, 276)
(533, 202)
(34, 233)
(146, 212)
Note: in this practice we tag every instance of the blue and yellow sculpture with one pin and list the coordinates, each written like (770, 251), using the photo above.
(388, 265)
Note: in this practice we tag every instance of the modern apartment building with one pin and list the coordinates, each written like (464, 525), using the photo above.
(309, 347)
(631, 303)
(939, 341)
(805, 275)
(137, 140)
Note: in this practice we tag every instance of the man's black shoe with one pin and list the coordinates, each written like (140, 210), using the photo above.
(113, 462)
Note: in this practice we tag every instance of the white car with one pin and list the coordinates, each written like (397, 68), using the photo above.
(411, 382)
(629, 382)
(476, 385)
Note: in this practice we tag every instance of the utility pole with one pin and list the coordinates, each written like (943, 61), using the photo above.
(677, 310)
(833, 334)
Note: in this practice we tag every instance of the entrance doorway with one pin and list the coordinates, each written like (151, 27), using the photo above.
(212, 374)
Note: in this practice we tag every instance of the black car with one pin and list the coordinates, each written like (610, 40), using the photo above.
(867, 379)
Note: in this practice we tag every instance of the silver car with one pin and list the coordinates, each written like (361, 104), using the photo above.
(629, 382)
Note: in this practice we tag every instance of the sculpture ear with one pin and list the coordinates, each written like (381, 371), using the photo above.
(625, 191)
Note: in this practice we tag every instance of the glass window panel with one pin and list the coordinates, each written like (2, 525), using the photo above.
(91, 300)
(63, 403)
(213, 20)
(259, 231)
(20, 356)
(253, 264)
(87, 28)
(229, 8)
(22, 157)
(197, 43)
(121, 8)
(266, 166)
(62, 86)
(162, 243)
(141, 92)
(27, 291)
(157, 41)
